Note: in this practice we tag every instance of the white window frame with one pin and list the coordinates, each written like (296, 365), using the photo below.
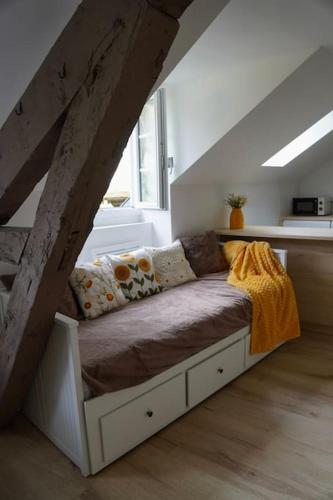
(161, 159)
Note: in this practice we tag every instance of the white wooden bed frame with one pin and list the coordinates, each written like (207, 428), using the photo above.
(94, 433)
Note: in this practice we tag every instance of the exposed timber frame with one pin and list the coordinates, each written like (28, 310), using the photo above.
(75, 125)
(12, 243)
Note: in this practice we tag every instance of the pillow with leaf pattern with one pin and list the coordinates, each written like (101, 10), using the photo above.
(135, 274)
(96, 288)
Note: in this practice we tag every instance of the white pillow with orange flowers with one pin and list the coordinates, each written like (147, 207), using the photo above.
(136, 274)
(96, 288)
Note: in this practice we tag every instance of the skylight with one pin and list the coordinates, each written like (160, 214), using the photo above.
(304, 141)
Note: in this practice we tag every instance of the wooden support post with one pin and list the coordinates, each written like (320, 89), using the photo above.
(98, 124)
(12, 243)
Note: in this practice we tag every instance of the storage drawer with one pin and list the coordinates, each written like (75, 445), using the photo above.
(123, 429)
(215, 372)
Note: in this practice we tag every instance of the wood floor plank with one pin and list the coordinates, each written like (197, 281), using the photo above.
(267, 435)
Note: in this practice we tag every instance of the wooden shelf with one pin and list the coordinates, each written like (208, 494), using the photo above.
(299, 233)
(307, 217)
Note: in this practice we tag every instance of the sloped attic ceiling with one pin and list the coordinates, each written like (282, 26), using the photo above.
(29, 29)
(261, 34)
(295, 105)
(193, 23)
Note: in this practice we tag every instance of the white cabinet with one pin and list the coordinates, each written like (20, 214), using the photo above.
(307, 223)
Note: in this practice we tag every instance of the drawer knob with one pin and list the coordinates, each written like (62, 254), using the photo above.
(149, 413)
(220, 370)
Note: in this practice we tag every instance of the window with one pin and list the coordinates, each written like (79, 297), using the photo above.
(151, 153)
(304, 141)
(140, 179)
(120, 192)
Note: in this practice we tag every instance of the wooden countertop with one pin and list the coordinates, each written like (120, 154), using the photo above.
(295, 233)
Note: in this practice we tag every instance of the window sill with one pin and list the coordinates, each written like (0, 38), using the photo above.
(118, 226)
(117, 216)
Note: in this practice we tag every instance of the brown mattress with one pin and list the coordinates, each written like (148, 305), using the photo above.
(130, 345)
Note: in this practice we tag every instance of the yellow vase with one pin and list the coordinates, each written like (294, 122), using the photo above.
(236, 219)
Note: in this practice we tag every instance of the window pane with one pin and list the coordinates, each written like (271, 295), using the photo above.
(148, 153)
(119, 193)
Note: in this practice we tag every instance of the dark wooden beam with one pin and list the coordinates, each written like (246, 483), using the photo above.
(98, 125)
(12, 243)
(174, 8)
(19, 184)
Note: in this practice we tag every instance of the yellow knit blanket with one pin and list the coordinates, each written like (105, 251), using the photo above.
(255, 269)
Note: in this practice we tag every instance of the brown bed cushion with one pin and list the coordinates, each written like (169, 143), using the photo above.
(133, 344)
(204, 254)
(69, 306)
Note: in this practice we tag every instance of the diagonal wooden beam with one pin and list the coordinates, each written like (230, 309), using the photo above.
(12, 243)
(47, 96)
(50, 92)
(98, 125)
(173, 8)
(20, 184)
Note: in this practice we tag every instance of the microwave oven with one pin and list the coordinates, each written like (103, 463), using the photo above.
(311, 206)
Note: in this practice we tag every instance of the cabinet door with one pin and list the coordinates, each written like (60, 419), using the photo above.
(307, 223)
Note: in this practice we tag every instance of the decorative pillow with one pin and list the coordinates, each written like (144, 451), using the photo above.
(203, 253)
(68, 306)
(135, 273)
(96, 288)
(231, 249)
(171, 265)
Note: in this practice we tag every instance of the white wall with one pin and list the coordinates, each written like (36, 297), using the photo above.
(195, 209)
(234, 163)
(319, 182)
(116, 239)
(263, 206)
(161, 226)
(202, 111)
(27, 32)
(218, 135)
(266, 202)
(296, 104)
(195, 20)
(249, 49)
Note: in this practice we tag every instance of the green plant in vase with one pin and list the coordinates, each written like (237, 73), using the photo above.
(236, 202)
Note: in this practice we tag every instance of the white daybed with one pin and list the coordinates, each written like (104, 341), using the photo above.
(96, 432)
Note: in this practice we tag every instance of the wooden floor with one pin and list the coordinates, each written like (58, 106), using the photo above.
(268, 435)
